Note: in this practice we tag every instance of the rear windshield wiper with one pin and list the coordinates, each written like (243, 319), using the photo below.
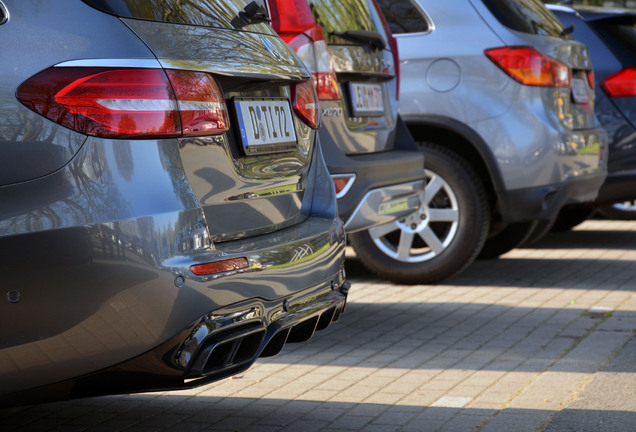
(568, 30)
(372, 38)
(253, 13)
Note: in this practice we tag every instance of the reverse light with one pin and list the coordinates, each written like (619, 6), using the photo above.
(294, 22)
(620, 84)
(219, 266)
(128, 103)
(529, 67)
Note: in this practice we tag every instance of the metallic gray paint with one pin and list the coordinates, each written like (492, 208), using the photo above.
(96, 248)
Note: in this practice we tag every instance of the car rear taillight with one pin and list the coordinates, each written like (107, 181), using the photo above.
(392, 44)
(529, 67)
(591, 79)
(305, 103)
(294, 22)
(128, 103)
(620, 84)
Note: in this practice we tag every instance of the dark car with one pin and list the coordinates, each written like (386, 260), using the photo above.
(610, 35)
(375, 165)
(167, 216)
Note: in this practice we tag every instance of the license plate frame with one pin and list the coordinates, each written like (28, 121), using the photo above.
(367, 99)
(580, 93)
(266, 125)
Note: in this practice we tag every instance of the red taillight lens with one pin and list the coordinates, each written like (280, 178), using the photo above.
(621, 84)
(219, 266)
(591, 79)
(297, 26)
(528, 66)
(392, 44)
(291, 16)
(201, 103)
(126, 103)
(305, 103)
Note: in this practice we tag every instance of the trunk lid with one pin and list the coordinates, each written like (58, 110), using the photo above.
(245, 187)
(366, 73)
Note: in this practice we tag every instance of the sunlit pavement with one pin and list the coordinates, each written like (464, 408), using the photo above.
(536, 340)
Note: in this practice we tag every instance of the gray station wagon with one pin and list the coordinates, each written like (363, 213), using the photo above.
(167, 216)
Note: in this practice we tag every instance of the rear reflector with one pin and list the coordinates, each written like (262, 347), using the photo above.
(529, 67)
(620, 84)
(128, 103)
(219, 266)
(342, 183)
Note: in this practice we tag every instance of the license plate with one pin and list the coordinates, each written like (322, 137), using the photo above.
(579, 91)
(267, 125)
(366, 99)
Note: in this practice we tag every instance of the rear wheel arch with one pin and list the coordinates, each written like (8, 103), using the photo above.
(463, 141)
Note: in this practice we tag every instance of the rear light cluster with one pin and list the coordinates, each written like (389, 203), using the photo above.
(620, 84)
(127, 103)
(529, 67)
(294, 22)
(392, 44)
(306, 103)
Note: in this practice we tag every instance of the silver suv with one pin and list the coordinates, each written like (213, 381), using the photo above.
(501, 101)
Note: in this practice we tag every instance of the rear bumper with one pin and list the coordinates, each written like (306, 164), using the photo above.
(97, 264)
(220, 344)
(159, 324)
(617, 188)
(545, 202)
(381, 179)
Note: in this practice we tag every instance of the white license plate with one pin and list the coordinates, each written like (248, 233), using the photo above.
(366, 99)
(579, 91)
(267, 125)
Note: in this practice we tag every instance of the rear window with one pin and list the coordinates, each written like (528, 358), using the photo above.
(404, 17)
(208, 13)
(620, 35)
(527, 16)
(338, 16)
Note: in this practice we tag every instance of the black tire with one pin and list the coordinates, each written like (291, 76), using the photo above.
(507, 239)
(569, 217)
(618, 211)
(440, 239)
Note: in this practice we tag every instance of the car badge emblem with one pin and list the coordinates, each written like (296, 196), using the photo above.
(271, 48)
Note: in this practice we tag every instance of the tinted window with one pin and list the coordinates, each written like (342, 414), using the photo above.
(403, 16)
(209, 13)
(527, 16)
(620, 36)
(4, 15)
(339, 16)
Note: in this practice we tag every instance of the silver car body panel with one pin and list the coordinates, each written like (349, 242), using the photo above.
(535, 134)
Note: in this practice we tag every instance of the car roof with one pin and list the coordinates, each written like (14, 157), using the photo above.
(591, 13)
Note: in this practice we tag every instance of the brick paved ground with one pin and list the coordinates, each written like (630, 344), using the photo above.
(505, 346)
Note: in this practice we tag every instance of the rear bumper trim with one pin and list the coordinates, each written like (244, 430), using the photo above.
(383, 205)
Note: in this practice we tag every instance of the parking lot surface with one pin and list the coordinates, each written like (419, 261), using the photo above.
(540, 339)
